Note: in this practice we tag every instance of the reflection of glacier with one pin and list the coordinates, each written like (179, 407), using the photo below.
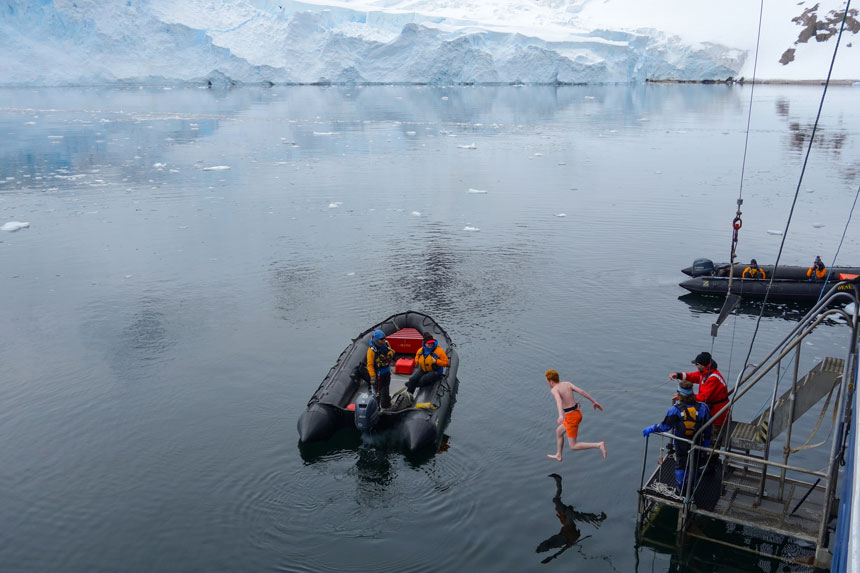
(89, 42)
(63, 139)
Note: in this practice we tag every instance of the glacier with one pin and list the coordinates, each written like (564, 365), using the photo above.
(440, 42)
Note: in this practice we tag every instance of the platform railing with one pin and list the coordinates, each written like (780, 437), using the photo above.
(752, 374)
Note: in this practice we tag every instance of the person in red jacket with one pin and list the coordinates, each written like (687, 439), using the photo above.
(713, 391)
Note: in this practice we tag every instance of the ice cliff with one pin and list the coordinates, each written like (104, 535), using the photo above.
(220, 42)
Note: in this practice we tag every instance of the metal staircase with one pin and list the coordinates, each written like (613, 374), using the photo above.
(795, 402)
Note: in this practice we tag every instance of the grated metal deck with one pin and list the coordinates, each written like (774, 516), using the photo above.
(729, 494)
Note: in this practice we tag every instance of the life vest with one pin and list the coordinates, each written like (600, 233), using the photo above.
(382, 358)
(688, 423)
(426, 359)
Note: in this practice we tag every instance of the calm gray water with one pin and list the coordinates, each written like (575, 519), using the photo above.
(164, 324)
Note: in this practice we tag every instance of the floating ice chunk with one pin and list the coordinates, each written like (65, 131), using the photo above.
(416, 213)
(159, 165)
(849, 308)
(561, 214)
(325, 133)
(470, 146)
(55, 137)
(217, 168)
(774, 232)
(468, 228)
(476, 191)
(444, 98)
(335, 204)
(538, 154)
(13, 226)
(352, 274)
(818, 225)
(410, 133)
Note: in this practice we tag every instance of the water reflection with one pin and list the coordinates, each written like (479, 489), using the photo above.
(696, 552)
(132, 337)
(832, 139)
(790, 311)
(569, 534)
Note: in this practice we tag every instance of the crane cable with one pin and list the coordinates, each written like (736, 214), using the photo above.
(737, 222)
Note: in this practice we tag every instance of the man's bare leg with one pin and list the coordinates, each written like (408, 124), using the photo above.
(559, 434)
(574, 445)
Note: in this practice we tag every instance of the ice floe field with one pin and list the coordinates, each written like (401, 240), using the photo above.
(181, 268)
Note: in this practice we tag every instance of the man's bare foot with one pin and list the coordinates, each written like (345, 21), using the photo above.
(558, 456)
(603, 449)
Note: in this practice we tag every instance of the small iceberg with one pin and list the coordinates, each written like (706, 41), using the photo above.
(468, 228)
(335, 204)
(774, 232)
(13, 226)
(217, 168)
(817, 225)
(476, 191)
(416, 213)
(561, 214)
(470, 146)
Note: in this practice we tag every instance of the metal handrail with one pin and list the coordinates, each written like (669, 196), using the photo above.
(795, 339)
(744, 457)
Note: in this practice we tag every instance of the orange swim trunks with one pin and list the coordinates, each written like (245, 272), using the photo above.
(571, 422)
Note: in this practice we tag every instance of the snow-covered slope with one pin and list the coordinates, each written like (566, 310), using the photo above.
(63, 42)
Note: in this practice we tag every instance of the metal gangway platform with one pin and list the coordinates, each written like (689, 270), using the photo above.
(755, 486)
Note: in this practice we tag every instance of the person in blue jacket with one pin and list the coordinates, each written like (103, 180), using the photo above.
(684, 419)
(379, 358)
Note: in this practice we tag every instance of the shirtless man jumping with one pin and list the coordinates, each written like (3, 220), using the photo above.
(569, 415)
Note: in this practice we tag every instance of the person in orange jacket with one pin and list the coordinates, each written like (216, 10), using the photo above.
(431, 361)
(713, 391)
(753, 271)
(817, 272)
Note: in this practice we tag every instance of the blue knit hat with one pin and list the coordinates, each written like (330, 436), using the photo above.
(378, 334)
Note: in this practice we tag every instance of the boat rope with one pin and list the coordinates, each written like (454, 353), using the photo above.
(608, 389)
(737, 222)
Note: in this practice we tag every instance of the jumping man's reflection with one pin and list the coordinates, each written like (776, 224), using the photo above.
(569, 533)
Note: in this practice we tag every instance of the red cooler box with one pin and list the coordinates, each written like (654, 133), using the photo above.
(404, 365)
(405, 341)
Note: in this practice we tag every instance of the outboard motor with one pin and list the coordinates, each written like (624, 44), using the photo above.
(702, 268)
(366, 412)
